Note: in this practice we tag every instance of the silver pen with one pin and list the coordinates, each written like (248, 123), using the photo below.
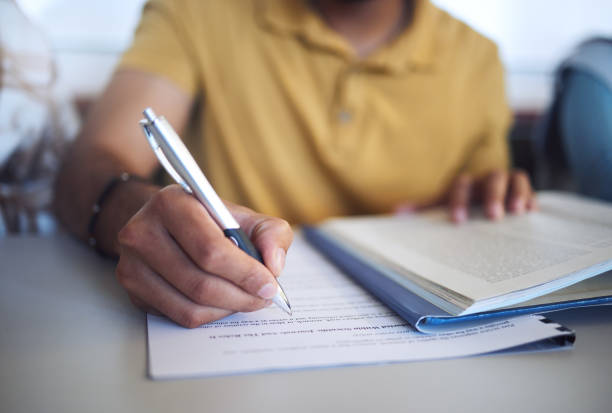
(178, 162)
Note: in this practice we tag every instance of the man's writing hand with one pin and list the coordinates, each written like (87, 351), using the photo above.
(175, 260)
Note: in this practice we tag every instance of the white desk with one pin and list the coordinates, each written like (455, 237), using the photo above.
(70, 341)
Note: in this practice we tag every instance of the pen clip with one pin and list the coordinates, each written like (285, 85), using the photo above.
(145, 125)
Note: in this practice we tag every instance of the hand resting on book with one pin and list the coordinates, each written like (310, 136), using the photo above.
(498, 192)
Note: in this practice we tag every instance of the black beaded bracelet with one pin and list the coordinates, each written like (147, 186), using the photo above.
(97, 207)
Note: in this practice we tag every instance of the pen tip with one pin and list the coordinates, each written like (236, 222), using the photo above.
(280, 299)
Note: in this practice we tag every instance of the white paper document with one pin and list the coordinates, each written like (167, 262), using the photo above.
(335, 323)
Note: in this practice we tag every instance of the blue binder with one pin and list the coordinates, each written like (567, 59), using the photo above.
(417, 311)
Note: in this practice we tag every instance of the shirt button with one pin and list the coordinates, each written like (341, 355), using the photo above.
(344, 116)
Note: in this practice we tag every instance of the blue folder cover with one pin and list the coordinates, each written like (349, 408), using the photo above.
(417, 311)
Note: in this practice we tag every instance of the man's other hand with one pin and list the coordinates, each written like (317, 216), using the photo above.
(499, 192)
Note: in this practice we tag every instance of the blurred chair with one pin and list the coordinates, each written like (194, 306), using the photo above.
(575, 139)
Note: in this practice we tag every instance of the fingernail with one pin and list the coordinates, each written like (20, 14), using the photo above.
(279, 261)
(459, 215)
(518, 206)
(268, 291)
(496, 211)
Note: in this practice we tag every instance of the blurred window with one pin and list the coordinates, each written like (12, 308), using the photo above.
(534, 35)
(86, 25)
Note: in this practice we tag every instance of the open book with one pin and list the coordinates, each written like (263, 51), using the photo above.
(433, 272)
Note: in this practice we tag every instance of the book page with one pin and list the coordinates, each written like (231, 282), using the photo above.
(481, 259)
(599, 286)
(334, 323)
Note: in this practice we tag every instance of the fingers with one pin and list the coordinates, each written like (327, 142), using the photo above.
(459, 198)
(176, 260)
(167, 259)
(513, 190)
(495, 187)
(271, 236)
(144, 286)
(204, 243)
(521, 197)
(497, 191)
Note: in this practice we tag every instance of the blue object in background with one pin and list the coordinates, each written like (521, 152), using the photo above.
(585, 125)
(574, 140)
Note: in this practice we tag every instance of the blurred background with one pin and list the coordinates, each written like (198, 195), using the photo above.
(533, 37)
(84, 39)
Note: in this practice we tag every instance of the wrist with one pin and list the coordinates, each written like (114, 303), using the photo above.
(124, 196)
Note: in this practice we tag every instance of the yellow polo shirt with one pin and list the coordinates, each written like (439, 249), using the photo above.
(290, 122)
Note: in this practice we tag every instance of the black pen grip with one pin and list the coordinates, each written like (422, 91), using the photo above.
(243, 242)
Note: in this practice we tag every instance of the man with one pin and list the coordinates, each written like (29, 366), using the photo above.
(297, 109)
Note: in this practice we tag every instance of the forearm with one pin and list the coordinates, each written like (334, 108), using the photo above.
(111, 143)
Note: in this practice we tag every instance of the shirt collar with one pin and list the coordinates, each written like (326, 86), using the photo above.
(411, 49)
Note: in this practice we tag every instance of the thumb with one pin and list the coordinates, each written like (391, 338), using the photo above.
(271, 236)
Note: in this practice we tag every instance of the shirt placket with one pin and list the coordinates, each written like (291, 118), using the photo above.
(347, 110)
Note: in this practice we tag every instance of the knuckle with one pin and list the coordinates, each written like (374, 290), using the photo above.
(125, 276)
(278, 222)
(162, 201)
(165, 200)
(202, 290)
(138, 235)
(189, 318)
(251, 278)
(282, 225)
(129, 235)
(136, 302)
(260, 227)
(121, 276)
(271, 225)
(210, 257)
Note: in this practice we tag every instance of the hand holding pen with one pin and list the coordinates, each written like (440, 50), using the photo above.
(176, 260)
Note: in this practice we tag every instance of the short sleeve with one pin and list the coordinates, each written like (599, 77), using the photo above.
(491, 151)
(162, 45)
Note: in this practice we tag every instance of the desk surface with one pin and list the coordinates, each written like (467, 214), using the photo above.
(70, 341)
